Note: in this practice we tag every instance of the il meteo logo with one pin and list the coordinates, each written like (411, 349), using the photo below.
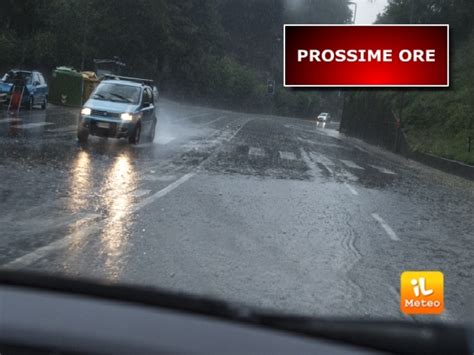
(422, 292)
(366, 55)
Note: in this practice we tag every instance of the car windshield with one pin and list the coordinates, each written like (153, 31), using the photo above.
(117, 92)
(181, 145)
(12, 77)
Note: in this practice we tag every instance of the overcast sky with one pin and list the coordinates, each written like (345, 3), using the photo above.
(367, 10)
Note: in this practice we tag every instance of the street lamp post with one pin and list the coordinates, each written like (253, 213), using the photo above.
(343, 92)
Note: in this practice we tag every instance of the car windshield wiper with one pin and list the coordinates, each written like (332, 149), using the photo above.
(99, 95)
(391, 336)
(120, 97)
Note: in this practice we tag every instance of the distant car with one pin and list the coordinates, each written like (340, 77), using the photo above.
(35, 87)
(324, 117)
(120, 108)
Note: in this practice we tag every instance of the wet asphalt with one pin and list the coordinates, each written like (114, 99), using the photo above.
(267, 211)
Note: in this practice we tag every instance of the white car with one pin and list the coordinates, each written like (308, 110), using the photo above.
(324, 117)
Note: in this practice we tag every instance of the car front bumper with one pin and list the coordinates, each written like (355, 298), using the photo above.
(107, 127)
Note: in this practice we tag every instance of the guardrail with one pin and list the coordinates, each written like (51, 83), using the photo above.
(370, 119)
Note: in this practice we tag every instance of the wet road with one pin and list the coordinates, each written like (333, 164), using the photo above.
(268, 211)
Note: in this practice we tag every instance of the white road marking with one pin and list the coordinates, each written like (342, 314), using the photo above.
(382, 169)
(386, 227)
(347, 175)
(329, 145)
(40, 253)
(140, 193)
(257, 152)
(162, 192)
(10, 119)
(351, 164)
(28, 115)
(192, 116)
(321, 159)
(351, 189)
(164, 139)
(237, 132)
(89, 228)
(311, 165)
(287, 155)
(208, 123)
(164, 178)
(32, 125)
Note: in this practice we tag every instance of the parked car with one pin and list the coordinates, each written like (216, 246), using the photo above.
(120, 107)
(324, 117)
(35, 87)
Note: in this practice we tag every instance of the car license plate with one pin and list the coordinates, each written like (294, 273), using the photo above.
(103, 125)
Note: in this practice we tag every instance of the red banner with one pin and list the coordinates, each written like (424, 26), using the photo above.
(366, 56)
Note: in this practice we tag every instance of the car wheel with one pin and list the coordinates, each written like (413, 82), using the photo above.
(152, 132)
(45, 103)
(135, 136)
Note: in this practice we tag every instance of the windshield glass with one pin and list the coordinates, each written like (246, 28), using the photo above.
(117, 92)
(11, 77)
(229, 181)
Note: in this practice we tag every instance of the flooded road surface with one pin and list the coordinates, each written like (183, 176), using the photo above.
(268, 211)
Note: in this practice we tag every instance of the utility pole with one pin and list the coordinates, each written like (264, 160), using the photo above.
(398, 124)
(343, 92)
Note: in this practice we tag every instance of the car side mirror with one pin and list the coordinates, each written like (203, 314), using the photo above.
(146, 104)
(36, 83)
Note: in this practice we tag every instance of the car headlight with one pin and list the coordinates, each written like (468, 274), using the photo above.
(86, 111)
(126, 116)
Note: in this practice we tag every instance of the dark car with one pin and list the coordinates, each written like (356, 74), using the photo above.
(119, 108)
(33, 84)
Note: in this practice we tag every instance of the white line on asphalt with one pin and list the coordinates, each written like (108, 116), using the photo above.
(140, 193)
(237, 132)
(164, 140)
(329, 145)
(163, 192)
(192, 116)
(311, 165)
(162, 178)
(351, 189)
(208, 123)
(351, 164)
(347, 175)
(32, 125)
(382, 169)
(257, 152)
(287, 155)
(386, 227)
(10, 119)
(39, 253)
(28, 115)
(319, 158)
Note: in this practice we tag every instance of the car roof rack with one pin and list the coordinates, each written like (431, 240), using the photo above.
(137, 80)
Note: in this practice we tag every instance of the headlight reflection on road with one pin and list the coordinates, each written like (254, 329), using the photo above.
(120, 183)
(80, 182)
(80, 188)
